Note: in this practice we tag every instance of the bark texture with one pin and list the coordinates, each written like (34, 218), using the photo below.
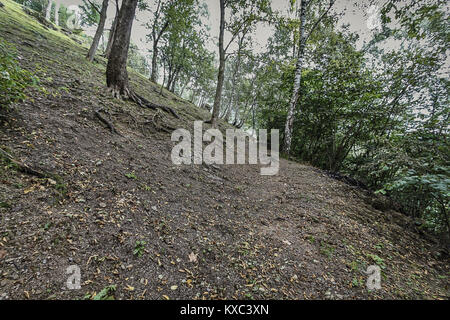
(156, 36)
(297, 80)
(57, 5)
(112, 32)
(99, 32)
(221, 74)
(298, 71)
(116, 70)
(48, 10)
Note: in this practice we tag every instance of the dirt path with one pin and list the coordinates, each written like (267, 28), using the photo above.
(209, 231)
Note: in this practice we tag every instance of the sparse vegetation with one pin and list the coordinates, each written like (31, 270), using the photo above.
(13, 79)
(139, 248)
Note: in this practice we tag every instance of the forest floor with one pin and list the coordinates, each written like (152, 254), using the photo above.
(208, 232)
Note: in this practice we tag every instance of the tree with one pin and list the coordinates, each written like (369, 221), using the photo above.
(161, 20)
(99, 31)
(112, 31)
(221, 71)
(90, 13)
(236, 70)
(48, 10)
(57, 7)
(116, 69)
(183, 42)
(244, 15)
(298, 71)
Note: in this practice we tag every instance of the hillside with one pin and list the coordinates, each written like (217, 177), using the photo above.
(209, 232)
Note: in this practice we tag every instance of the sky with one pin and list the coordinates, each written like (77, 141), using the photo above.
(353, 14)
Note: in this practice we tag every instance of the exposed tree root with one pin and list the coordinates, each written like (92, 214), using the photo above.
(147, 104)
(128, 94)
(23, 167)
(105, 121)
(160, 127)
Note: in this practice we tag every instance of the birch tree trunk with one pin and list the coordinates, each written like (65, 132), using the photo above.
(99, 32)
(57, 13)
(48, 11)
(297, 80)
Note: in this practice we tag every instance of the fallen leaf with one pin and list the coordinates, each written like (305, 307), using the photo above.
(26, 191)
(192, 257)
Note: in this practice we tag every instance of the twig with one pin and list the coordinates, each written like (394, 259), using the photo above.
(23, 167)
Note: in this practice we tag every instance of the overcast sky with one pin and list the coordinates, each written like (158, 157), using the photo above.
(354, 15)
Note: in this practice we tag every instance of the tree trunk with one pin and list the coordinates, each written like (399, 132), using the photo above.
(112, 32)
(154, 61)
(174, 81)
(154, 71)
(48, 11)
(182, 89)
(99, 32)
(156, 36)
(57, 13)
(235, 74)
(164, 79)
(221, 74)
(116, 70)
(297, 80)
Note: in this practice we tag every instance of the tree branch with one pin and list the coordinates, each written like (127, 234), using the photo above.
(320, 18)
(94, 6)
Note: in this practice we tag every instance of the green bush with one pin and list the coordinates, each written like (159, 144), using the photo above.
(13, 79)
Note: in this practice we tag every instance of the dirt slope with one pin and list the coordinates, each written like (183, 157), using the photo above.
(210, 232)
